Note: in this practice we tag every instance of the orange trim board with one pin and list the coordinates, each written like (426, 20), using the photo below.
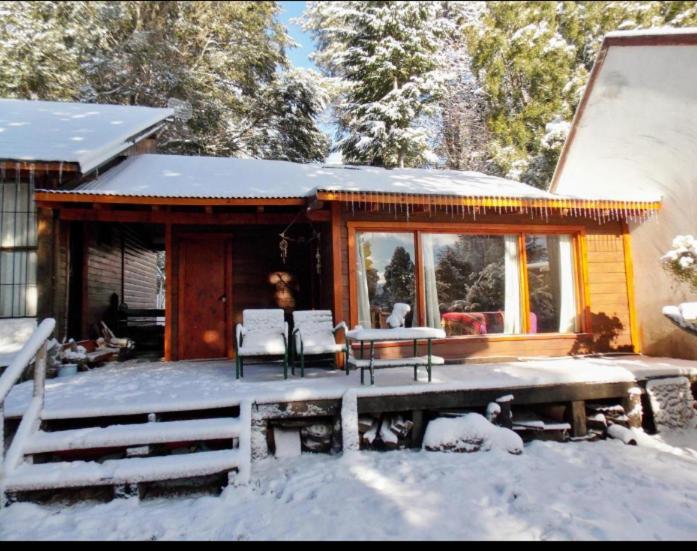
(493, 203)
(52, 197)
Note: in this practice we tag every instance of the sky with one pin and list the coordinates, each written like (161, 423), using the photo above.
(298, 56)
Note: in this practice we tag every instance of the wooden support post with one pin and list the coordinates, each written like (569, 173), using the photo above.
(417, 430)
(126, 491)
(578, 418)
(337, 273)
(633, 409)
(45, 263)
(169, 282)
(85, 310)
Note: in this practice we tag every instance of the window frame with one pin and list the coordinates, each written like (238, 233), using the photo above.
(21, 309)
(576, 232)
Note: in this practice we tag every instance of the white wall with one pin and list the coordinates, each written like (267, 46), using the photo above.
(637, 138)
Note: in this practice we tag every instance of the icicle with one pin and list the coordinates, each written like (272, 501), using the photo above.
(60, 173)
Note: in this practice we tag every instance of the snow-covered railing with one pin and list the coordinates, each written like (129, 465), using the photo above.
(35, 347)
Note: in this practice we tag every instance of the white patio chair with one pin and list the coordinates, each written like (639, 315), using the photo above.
(261, 333)
(314, 334)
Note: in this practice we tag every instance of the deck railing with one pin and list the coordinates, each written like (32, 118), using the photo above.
(35, 347)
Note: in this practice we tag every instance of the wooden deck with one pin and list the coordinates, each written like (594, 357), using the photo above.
(124, 389)
(123, 421)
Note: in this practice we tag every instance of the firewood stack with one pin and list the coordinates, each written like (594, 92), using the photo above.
(601, 416)
(384, 431)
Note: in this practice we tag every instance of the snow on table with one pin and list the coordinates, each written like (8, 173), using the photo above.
(395, 334)
(574, 491)
(129, 388)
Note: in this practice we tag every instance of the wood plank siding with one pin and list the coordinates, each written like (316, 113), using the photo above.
(118, 261)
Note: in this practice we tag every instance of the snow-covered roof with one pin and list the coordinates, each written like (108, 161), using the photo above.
(88, 134)
(634, 135)
(154, 175)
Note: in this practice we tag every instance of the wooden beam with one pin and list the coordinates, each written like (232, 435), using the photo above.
(337, 269)
(92, 198)
(542, 394)
(631, 299)
(496, 205)
(40, 166)
(192, 218)
(420, 284)
(45, 264)
(577, 417)
(168, 292)
(84, 312)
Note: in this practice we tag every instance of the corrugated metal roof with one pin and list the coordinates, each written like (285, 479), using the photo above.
(88, 134)
(177, 176)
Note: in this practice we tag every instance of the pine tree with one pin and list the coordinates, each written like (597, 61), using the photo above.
(533, 60)
(399, 277)
(225, 61)
(385, 55)
(42, 47)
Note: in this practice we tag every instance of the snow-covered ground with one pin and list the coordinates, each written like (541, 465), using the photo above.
(600, 490)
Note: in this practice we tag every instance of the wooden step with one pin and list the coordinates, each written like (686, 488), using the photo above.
(132, 435)
(78, 474)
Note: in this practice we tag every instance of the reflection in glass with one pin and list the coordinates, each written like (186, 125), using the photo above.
(385, 275)
(551, 284)
(471, 283)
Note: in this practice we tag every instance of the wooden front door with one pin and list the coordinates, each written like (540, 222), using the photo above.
(205, 314)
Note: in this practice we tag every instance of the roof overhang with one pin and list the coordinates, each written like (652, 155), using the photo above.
(649, 37)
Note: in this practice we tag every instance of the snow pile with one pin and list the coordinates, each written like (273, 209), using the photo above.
(470, 433)
(672, 403)
(685, 314)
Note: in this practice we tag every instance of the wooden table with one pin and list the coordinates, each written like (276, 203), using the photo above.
(414, 334)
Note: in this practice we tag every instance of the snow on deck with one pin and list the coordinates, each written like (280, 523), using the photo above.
(85, 133)
(129, 388)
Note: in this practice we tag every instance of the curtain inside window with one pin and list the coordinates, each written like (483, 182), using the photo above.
(568, 314)
(362, 283)
(511, 315)
(431, 289)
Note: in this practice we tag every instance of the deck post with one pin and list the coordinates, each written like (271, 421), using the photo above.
(337, 271)
(578, 418)
(417, 417)
(633, 409)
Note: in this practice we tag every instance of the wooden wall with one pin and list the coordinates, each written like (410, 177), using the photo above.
(607, 285)
(105, 244)
(606, 281)
(260, 279)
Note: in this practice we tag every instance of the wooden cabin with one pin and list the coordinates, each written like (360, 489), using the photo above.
(633, 136)
(506, 269)
(54, 145)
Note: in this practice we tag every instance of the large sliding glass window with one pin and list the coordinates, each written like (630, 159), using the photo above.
(17, 250)
(468, 284)
(551, 284)
(471, 283)
(385, 275)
